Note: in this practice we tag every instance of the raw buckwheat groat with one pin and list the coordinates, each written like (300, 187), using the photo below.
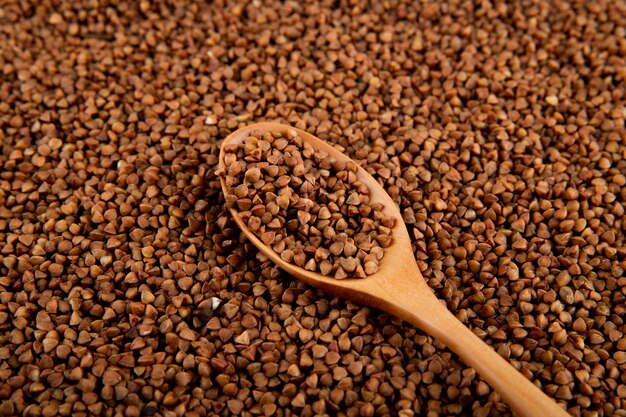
(308, 207)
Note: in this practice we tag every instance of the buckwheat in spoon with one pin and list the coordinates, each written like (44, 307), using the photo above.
(323, 219)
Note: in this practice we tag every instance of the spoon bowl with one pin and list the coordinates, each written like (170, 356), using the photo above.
(399, 289)
(396, 253)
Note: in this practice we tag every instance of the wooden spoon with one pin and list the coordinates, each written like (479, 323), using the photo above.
(399, 288)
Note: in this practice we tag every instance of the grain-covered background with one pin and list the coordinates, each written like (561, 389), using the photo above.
(126, 289)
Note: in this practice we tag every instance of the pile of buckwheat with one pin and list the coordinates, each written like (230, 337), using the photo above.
(311, 209)
(126, 288)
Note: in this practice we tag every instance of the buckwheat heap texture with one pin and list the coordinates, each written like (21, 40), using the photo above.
(497, 127)
(308, 207)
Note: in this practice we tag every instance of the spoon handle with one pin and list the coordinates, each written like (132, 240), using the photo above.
(422, 309)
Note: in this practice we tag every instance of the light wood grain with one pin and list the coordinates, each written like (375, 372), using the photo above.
(399, 289)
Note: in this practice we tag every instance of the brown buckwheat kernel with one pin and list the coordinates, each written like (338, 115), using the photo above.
(308, 207)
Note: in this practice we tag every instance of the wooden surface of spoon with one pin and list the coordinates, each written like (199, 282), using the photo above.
(399, 289)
